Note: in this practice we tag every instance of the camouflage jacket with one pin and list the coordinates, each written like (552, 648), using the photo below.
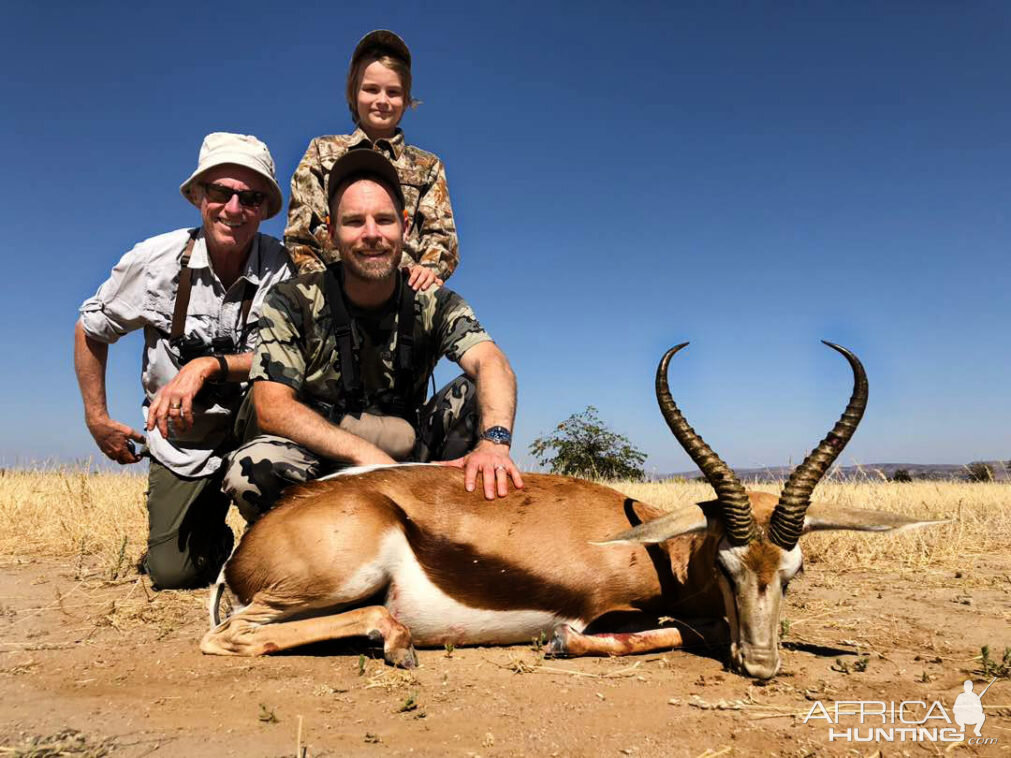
(431, 240)
(298, 348)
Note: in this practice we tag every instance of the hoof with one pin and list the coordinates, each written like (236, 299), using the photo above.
(404, 658)
(558, 647)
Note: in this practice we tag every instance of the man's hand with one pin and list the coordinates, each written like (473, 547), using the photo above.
(113, 439)
(495, 466)
(421, 277)
(174, 401)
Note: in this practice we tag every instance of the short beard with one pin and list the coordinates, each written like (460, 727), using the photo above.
(369, 269)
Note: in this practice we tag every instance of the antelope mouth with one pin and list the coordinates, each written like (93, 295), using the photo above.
(760, 663)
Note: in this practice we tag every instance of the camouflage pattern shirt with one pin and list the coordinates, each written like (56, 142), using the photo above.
(431, 240)
(298, 347)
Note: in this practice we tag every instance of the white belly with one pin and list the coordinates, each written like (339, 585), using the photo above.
(435, 618)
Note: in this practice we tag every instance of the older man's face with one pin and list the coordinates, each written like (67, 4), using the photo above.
(368, 231)
(229, 226)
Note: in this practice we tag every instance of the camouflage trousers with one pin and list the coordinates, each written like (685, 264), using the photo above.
(260, 470)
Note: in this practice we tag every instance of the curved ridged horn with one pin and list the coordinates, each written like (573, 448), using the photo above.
(787, 520)
(738, 523)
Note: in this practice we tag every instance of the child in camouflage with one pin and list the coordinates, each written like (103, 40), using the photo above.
(378, 92)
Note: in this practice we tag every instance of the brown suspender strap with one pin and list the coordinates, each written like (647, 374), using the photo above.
(247, 302)
(183, 292)
(186, 284)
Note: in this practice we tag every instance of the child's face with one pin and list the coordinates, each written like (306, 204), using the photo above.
(380, 100)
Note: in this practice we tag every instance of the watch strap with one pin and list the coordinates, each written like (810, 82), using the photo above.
(222, 375)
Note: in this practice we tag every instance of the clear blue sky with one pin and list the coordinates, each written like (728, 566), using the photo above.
(751, 177)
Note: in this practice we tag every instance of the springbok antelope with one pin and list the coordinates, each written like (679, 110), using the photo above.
(404, 555)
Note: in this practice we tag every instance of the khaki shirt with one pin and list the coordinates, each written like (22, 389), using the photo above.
(297, 346)
(141, 294)
(431, 240)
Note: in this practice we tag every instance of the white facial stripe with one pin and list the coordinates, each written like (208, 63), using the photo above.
(791, 562)
(733, 558)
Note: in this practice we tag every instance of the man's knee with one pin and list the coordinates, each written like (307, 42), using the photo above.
(189, 561)
(261, 469)
(170, 569)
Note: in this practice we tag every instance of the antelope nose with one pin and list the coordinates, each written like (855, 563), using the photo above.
(760, 664)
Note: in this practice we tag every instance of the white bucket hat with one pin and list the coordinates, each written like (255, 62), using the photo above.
(241, 150)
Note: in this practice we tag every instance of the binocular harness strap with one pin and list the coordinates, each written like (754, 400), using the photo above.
(183, 292)
(186, 285)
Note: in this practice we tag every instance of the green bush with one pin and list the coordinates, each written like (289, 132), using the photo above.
(583, 446)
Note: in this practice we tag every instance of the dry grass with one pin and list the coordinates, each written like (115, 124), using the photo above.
(96, 517)
(67, 511)
(101, 516)
(68, 742)
(981, 527)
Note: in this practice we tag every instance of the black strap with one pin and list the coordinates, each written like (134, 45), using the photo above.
(404, 363)
(351, 375)
(183, 291)
(350, 370)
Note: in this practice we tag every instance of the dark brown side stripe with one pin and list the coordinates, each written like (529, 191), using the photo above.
(484, 581)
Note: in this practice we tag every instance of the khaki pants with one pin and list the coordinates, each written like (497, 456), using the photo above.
(188, 539)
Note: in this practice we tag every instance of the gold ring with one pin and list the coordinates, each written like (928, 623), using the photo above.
(176, 406)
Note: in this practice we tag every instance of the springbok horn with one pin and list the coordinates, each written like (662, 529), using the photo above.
(787, 520)
(737, 520)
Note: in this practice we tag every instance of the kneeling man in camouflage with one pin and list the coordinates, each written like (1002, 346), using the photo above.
(345, 357)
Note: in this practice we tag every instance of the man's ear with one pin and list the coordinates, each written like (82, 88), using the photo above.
(331, 228)
(407, 224)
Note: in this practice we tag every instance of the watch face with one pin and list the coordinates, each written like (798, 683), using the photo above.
(498, 434)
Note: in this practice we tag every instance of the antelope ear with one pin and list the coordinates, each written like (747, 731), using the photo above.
(822, 517)
(687, 519)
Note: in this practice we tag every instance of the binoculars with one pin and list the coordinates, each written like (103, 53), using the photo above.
(191, 347)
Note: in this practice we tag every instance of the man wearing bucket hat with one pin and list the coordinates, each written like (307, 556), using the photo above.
(378, 93)
(341, 372)
(197, 294)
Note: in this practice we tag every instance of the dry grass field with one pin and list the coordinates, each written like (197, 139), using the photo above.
(93, 662)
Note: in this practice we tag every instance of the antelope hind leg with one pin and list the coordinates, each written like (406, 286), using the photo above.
(251, 632)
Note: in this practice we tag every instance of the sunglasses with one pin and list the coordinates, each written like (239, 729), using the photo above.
(219, 193)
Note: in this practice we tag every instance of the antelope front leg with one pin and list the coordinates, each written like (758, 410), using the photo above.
(567, 642)
(247, 633)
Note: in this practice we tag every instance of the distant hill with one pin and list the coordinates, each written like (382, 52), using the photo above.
(928, 471)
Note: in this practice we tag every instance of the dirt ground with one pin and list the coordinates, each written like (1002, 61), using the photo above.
(91, 666)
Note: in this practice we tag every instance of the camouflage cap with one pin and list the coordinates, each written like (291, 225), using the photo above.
(383, 41)
(246, 150)
(364, 162)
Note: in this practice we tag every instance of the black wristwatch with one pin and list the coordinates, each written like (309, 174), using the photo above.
(497, 434)
(222, 375)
